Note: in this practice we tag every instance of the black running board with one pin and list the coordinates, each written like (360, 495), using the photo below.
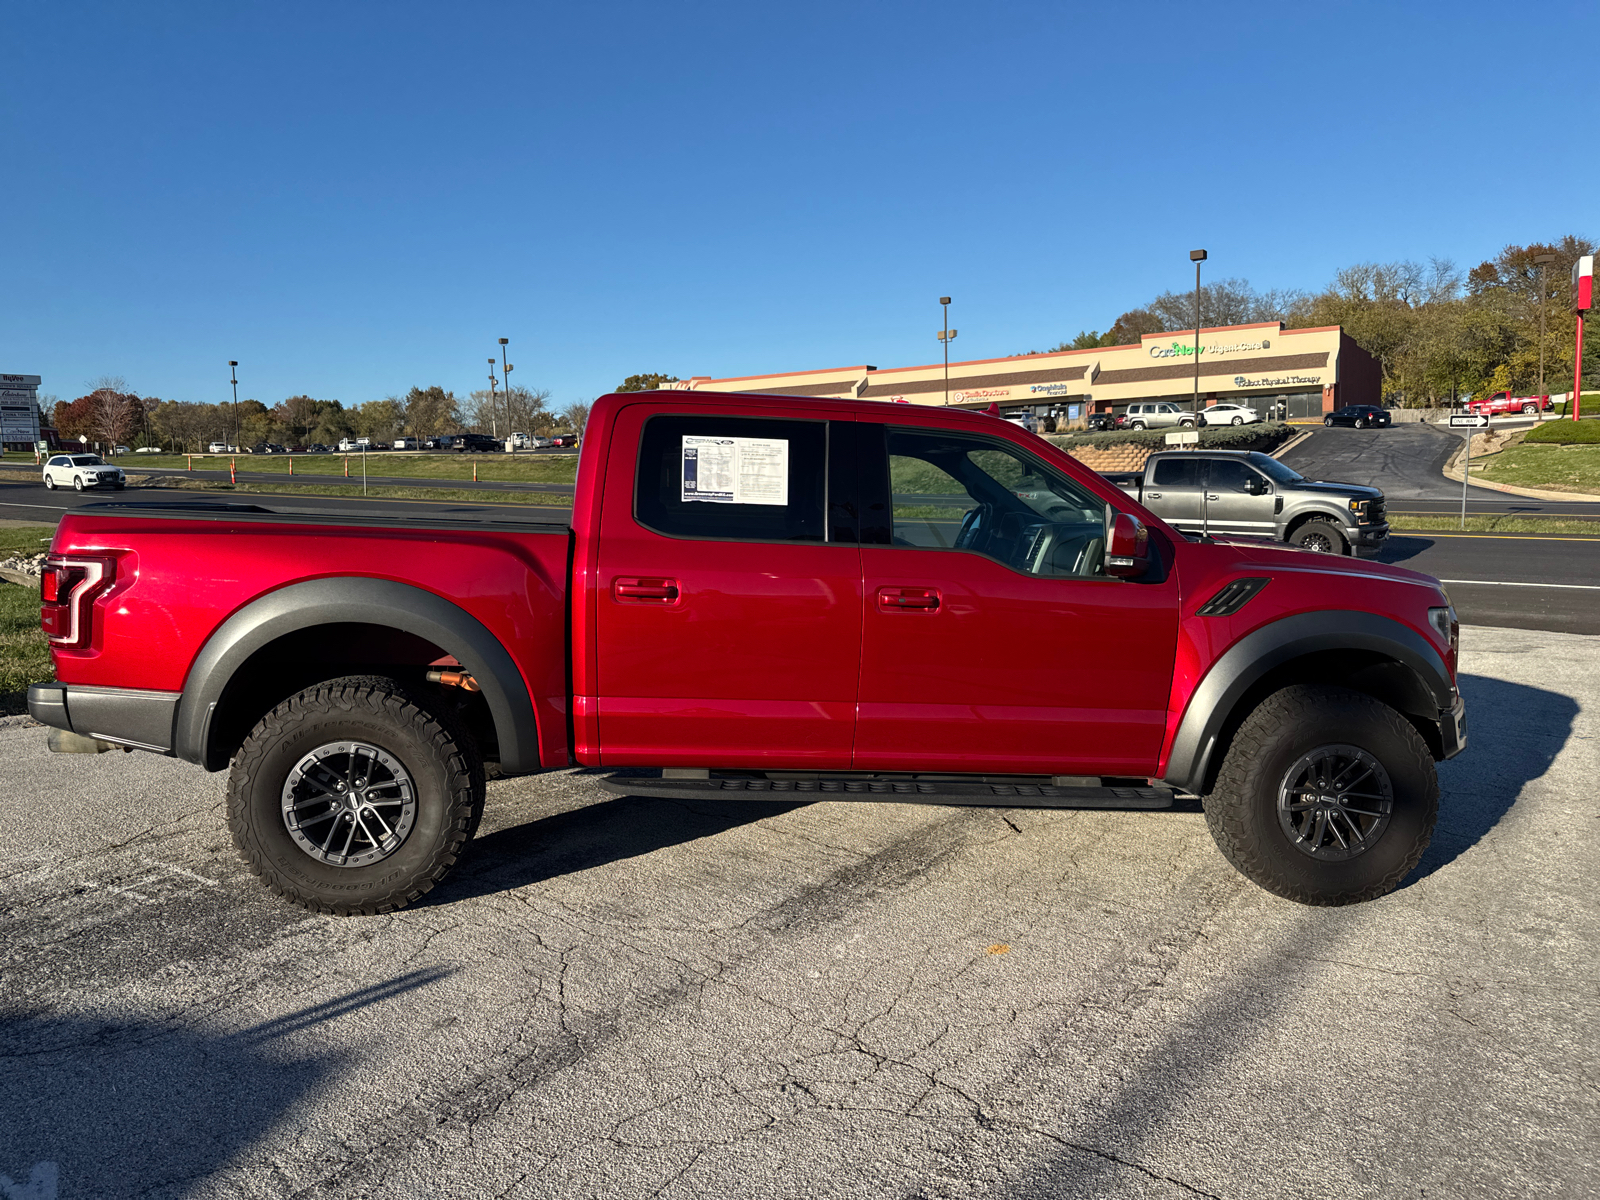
(900, 791)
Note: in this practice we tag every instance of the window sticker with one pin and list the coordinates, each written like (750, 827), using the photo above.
(735, 470)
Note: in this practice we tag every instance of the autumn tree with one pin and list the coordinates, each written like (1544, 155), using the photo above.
(645, 383)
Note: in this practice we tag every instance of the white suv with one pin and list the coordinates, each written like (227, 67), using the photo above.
(81, 471)
(1157, 415)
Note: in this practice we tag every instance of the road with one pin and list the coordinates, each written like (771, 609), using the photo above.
(615, 998)
(1407, 462)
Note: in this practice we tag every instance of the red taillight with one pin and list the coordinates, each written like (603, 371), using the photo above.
(68, 589)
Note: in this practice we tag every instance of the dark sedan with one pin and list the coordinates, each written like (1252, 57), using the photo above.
(1104, 422)
(1358, 416)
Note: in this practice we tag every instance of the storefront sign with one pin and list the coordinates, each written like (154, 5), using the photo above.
(1049, 389)
(1182, 349)
(1274, 381)
(981, 394)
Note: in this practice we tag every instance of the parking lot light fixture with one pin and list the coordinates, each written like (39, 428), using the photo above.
(1197, 257)
(233, 365)
(505, 375)
(946, 336)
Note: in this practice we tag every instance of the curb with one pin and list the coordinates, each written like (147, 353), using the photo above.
(1453, 472)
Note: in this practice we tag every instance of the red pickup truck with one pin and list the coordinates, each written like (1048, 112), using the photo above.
(1501, 403)
(762, 597)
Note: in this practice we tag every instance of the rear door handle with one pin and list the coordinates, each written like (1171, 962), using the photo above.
(908, 599)
(1154, 495)
(1211, 496)
(653, 590)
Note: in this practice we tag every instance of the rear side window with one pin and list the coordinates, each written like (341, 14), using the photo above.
(1177, 472)
(736, 479)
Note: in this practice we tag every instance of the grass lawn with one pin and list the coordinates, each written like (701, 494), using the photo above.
(519, 468)
(24, 657)
(373, 492)
(1561, 468)
(1444, 522)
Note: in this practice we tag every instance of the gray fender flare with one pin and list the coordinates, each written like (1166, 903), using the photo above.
(1244, 664)
(359, 601)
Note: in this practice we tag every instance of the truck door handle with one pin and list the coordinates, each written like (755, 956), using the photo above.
(908, 599)
(1212, 496)
(629, 590)
(1154, 495)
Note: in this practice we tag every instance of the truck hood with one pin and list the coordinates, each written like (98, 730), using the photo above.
(1352, 490)
(1272, 558)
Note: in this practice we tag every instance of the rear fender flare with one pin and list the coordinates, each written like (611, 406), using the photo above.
(1248, 661)
(358, 600)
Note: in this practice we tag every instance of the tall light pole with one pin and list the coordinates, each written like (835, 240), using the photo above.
(505, 374)
(1197, 257)
(234, 374)
(946, 336)
(1543, 261)
(494, 401)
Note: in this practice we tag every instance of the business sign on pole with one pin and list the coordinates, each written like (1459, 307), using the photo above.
(1583, 284)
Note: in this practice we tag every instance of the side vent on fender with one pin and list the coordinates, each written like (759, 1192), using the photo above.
(1233, 597)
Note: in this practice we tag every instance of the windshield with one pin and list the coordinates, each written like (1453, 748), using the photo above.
(1275, 470)
(87, 460)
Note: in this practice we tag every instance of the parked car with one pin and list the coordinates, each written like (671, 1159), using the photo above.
(149, 450)
(1104, 422)
(565, 440)
(80, 471)
(318, 448)
(1232, 492)
(1358, 416)
(1229, 414)
(122, 450)
(407, 443)
(1305, 699)
(539, 442)
(218, 448)
(1157, 414)
(470, 443)
(1502, 403)
(267, 448)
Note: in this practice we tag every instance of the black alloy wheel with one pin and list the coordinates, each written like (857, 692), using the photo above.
(1326, 796)
(1318, 536)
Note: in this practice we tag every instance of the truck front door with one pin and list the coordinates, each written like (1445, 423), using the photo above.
(728, 613)
(1239, 499)
(993, 640)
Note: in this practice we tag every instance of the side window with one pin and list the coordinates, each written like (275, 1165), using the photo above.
(957, 491)
(733, 479)
(1183, 472)
(1230, 475)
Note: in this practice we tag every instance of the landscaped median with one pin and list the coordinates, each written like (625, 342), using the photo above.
(1127, 449)
(1556, 456)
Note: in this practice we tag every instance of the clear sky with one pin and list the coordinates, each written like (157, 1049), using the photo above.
(354, 198)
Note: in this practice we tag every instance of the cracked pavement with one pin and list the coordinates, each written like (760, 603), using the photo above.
(626, 998)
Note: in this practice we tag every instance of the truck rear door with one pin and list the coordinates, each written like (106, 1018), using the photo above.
(728, 620)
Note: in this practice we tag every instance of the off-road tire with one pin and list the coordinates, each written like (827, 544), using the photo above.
(1307, 535)
(442, 764)
(1242, 809)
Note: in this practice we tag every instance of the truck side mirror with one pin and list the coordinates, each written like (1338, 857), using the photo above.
(1128, 555)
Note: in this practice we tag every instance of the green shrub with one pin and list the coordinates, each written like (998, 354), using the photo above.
(1263, 436)
(1565, 433)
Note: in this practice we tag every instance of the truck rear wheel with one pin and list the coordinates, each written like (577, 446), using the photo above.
(1326, 797)
(352, 798)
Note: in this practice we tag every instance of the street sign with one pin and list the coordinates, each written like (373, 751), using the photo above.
(1189, 437)
(1468, 421)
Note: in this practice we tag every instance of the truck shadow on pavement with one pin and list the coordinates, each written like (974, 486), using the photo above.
(114, 1106)
(592, 836)
(1396, 549)
(1514, 734)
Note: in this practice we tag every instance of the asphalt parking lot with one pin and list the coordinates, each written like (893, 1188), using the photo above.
(628, 999)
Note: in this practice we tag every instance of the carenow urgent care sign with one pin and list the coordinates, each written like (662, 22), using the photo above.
(1177, 349)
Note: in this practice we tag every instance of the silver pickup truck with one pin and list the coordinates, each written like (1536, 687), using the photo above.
(1237, 492)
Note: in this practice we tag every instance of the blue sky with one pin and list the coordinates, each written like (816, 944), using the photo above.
(354, 198)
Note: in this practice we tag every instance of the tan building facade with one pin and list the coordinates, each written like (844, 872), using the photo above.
(1295, 373)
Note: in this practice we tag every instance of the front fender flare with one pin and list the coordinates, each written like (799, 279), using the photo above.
(365, 601)
(1249, 659)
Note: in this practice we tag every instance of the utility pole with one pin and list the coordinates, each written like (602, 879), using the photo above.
(946, 336)
(233, 371)
(1543, 261)
(1197, 257)
(494, 401)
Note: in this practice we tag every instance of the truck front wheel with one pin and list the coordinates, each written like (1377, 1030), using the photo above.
(1326, 797)
(1319, 536)
(352, 798)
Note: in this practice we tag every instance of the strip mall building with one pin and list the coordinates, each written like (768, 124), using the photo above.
(1294, 373)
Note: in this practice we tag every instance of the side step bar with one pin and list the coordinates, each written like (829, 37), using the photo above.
(901, 791)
